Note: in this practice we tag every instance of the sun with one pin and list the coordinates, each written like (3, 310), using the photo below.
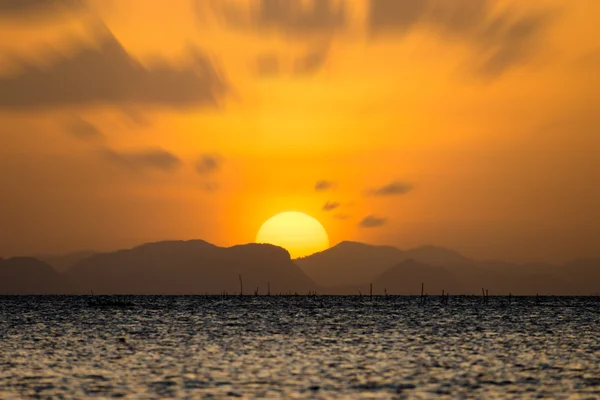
(298, 233)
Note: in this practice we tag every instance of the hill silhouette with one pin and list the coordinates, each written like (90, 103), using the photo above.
(355, 263)
(436, 256)
(350, 266)
(407, 276)
(584, 274)
(62, 262)
(198, 267)
(25, 275)
(349, 263)
(190, 267)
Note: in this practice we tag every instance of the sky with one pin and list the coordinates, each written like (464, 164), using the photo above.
(470, 124)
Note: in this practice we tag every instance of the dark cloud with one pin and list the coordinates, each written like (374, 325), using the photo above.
(82, 129)
(395, 15)
(208, 164)
(134, 117)
(153, 158)
(36, 8)
(342, 217)
(323, 185)
(456, 17)
(294, 17)
(501, 39)
(210, 187)
(391, 189)
(331, 205)
(509, 41)
(108, 75)
(267, 65)
(312, 61)
(372, 221)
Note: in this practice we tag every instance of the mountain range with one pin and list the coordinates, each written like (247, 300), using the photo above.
(198, 267)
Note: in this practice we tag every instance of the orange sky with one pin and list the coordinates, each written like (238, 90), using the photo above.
(470, 124)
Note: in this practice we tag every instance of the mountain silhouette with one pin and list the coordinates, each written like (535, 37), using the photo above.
(191, 267)
(436, 256)
(354, 263)
(584, 275)
(349, 267)
(62, 262)
(349, 263)
(24, 275)
(198, 267)
(407, 276)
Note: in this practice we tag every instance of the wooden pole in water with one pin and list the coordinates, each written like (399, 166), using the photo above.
(422, 290)
(269, 288)
(370, 290)
(241, 286)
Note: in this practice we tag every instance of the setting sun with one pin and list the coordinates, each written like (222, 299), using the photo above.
(298, 233)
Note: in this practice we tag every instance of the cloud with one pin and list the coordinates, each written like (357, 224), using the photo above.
(152, 158)
(108, 75)
(342, 217)
(83, 129)
(391, 189)
(208, 164)
(372, 221)
(395, 15)
(323, 185)
(500, 39)
(331, 205)
(508, 41)
(312, 61)
(135, 117)
(267, 65)
(210, 187)
(36, 8)
(292, 17)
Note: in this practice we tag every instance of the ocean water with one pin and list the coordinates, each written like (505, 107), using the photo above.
(300, 347)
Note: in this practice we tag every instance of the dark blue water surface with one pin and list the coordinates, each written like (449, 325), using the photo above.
(299, 347)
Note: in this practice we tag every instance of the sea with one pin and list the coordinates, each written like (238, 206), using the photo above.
(321, 347)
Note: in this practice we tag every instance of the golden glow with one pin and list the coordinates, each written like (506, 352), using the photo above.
(298, 233)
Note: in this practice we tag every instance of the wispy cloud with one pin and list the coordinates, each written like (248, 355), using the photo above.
(150, 158)
(268, 66)
(312, 61)
(391, 189)
(292, 17)
(500, 39)
(323, 185)
(109, 75)
(210, 187)
(37, 8)
(372, 221)
(331, 205)
(208, 164)
(82, 129)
